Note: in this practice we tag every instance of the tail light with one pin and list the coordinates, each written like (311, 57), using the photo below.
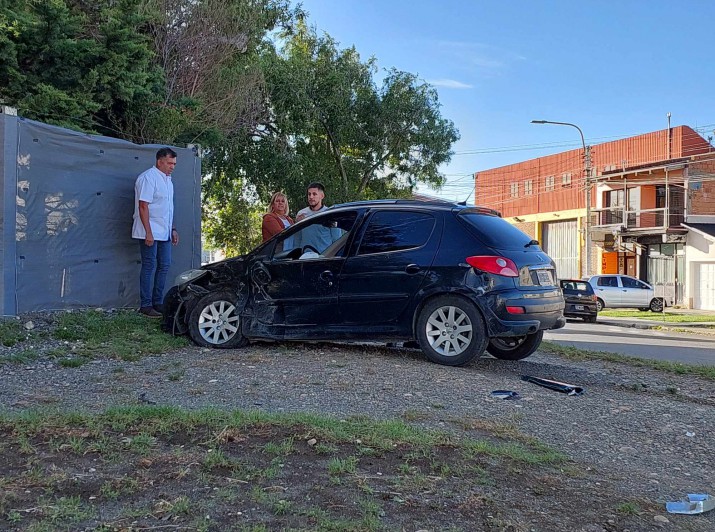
(594, 297)
(495, 265)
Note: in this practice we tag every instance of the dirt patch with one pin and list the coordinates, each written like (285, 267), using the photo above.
(100, 475)
(604, 461)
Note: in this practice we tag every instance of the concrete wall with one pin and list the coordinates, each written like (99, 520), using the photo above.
(698, 249)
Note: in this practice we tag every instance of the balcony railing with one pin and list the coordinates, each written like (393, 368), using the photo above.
(635, 220)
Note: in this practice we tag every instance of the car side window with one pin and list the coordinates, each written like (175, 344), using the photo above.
(608, 281)
(629, 283)
(642, 285)
(396, 231)
(323, 237)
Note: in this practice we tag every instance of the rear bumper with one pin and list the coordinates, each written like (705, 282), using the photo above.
(572, 311)
(542, 311)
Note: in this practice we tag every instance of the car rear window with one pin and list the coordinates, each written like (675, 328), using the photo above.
(576, 286)
(495, 232)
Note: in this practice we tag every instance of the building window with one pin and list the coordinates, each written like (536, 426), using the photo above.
(566, 179)
(514, 189)
(528, 187)
(549, 183)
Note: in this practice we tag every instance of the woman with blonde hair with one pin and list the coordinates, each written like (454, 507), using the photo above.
(276, 219)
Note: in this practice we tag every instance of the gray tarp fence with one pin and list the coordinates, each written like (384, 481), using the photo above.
(67, 206)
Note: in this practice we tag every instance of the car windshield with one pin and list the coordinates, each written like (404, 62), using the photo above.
(495, 232)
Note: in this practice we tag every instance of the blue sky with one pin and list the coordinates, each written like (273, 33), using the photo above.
(613, 68)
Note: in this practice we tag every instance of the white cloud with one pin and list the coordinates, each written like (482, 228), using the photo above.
(449, 84)
(479, 55)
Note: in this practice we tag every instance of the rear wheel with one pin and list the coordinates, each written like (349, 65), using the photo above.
(515, 348)
(590, 319)
(451, 331)
(214, 321)
(600, 305)
(656, 304)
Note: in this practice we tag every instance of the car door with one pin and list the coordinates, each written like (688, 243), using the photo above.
(298, 289)
(635, 293)
(608, 288)
(394, 253)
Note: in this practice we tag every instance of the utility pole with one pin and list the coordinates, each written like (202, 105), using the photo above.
(587, 170)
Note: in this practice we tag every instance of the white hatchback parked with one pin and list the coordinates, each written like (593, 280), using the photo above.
(624, 291)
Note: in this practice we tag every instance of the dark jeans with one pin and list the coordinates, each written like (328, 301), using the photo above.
(156, 260)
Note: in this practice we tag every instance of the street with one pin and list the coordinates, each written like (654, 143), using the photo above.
(644, 343)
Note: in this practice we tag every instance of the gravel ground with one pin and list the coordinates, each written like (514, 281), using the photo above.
(648, 431)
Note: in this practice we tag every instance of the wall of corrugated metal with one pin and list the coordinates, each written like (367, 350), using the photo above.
(560, 241)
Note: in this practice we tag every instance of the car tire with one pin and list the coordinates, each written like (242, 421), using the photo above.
(515, 348)
(451, 331)
(657, 305)
(600, 305)
(214, 321)
(590, 319)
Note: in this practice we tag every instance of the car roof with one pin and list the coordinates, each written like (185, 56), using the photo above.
(425, 204)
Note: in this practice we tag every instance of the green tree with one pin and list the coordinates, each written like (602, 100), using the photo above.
(74, 63)
(330, 122)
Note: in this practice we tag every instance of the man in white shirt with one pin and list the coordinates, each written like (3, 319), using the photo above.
(316, 193)
(316, 238)
(154, 226)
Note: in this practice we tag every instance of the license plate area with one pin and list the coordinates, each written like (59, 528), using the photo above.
(544, 277)
(578, 307)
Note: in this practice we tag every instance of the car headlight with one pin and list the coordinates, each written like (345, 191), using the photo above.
(188, 276)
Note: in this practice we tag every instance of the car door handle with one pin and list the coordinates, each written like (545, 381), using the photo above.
(412, 269)
(327, 276)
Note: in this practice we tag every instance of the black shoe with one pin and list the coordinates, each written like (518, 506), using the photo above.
(149, 312)
(159, 308)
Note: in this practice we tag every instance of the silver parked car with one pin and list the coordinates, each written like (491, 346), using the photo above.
(624, 291)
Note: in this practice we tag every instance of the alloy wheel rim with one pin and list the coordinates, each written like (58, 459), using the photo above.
(218, 322)
(449, 331)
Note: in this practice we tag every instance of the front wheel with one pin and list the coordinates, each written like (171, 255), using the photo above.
(515, 348)
(215, 322)
(451, 331)
(656, 304)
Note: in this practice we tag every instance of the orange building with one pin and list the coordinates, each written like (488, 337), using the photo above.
(650, 196)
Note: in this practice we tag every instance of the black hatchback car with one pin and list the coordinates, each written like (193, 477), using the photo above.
(456, 279)
(581, 301)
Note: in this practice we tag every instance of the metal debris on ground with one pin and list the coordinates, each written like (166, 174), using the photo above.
(697, 503)
(143, 398)
(506, 394)
(562, 387)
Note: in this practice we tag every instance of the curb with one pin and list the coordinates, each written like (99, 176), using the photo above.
(695, 328)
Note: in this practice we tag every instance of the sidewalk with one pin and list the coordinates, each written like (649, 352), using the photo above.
(699, 327)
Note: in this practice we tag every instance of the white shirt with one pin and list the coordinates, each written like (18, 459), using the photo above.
(307, 211)
(156, 188)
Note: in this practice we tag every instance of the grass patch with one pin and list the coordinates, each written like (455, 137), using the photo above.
(11, 332)
(23, 357)
(658, 316)
(573, 353)
(125, 334)
(203, 469)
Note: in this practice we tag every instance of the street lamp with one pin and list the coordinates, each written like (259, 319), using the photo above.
(587, 173)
